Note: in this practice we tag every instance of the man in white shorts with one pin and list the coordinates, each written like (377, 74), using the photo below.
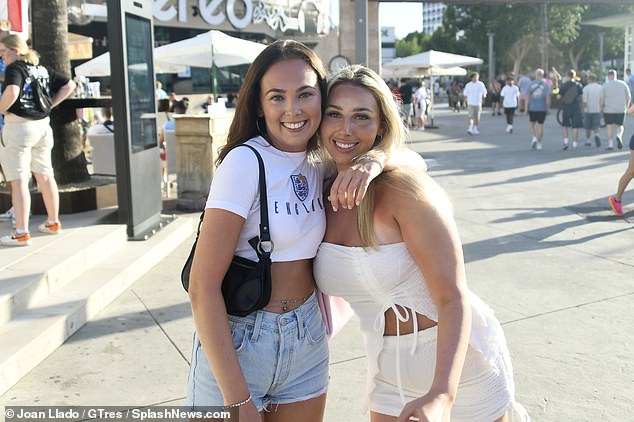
(474, 93)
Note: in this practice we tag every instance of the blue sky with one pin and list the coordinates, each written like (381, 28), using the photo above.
(404, 17)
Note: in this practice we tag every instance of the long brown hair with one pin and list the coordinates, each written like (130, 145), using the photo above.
(17, 43)
(244, 126)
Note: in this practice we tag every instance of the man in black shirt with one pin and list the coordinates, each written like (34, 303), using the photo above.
(406, 105)
(571, 97)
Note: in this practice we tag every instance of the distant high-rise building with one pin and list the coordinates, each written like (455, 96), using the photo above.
(388, 44)
(432, 16)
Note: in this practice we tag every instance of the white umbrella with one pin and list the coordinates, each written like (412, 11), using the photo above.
(207, 49)
(432, 58)
(100, 66)
(431, 63)
(430, 71)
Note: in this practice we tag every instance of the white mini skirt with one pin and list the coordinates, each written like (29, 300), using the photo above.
(484, 393)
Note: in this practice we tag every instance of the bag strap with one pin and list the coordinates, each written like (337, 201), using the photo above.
(262, 244)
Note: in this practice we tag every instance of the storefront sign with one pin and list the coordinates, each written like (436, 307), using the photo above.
(277, 14)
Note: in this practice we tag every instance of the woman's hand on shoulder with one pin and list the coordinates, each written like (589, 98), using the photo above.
(351, 184)
(429, 408)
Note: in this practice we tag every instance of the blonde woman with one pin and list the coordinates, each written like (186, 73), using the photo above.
(435, 351)
(27, 138)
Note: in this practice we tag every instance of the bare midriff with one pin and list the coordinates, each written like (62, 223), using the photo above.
(406, 327)
(292, 284)
(14, 118)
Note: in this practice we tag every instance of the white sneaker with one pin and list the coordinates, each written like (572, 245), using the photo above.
(534, 143)
(15, 239)
(539, 145)
(7, 215)
(574, 144)
(610, 144)
(476, 131)
(470, 131)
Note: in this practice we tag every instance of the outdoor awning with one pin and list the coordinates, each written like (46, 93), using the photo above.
(614, 21)
(79, 46)
(431, 58)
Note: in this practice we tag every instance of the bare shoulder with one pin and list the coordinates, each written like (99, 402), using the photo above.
(410, 193)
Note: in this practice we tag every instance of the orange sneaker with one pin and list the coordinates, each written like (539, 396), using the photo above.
(50, 228)
(15, 239)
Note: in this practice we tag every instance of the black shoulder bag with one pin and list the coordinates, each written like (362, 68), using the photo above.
(246, 286)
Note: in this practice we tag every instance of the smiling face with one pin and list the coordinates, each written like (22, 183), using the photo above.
(290, 101)
(8, 55)
(351, 123)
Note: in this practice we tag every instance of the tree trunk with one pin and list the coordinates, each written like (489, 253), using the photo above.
(575, 57)
(50, 28)
(518, 52)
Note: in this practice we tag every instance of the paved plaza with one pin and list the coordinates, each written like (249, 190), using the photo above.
(542, 247)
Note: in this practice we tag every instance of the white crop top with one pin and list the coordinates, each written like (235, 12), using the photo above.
(294, 188)
(375, 280)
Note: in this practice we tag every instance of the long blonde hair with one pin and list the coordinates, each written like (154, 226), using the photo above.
(17, 43)
(391, 141)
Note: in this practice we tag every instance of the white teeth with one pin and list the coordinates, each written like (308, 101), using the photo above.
(294, 125)
(344, 146)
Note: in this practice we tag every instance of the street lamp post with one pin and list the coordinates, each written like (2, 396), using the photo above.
(361, 31)
(601, 35)
(491, 57)
(544, 50)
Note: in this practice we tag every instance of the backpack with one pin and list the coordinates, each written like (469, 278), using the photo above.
(41, 98)
(570, 97)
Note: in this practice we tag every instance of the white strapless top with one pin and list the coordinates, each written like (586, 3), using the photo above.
(374, 280)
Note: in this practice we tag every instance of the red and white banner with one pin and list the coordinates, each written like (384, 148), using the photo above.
(16, 12)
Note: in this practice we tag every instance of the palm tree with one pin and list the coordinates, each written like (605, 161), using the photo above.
(50, 28)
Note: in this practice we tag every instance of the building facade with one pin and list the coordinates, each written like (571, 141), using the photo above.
(388, 44)
(432, 16)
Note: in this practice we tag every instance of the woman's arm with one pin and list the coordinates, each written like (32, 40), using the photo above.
(214, 251)
(62, 93)
(350, 186)
(9, 96)
(428, 229)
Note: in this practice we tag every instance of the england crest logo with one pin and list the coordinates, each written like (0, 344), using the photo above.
(300, 186)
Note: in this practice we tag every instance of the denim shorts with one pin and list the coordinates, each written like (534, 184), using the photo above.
(284, 358)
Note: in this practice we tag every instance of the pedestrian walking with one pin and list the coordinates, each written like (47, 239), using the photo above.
(510, 100)
(421, 96)
(625, 179)
(571, 98)
(538, 106)
(406, 91)
(592, 104)
(616, 99)
(455, 96)
(629, 80)
(523, 84)
(27, 137)
(494, 91)
(435, 350)
(474, 93)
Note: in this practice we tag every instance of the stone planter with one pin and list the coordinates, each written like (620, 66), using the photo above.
(198, 138)
(98, 192)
